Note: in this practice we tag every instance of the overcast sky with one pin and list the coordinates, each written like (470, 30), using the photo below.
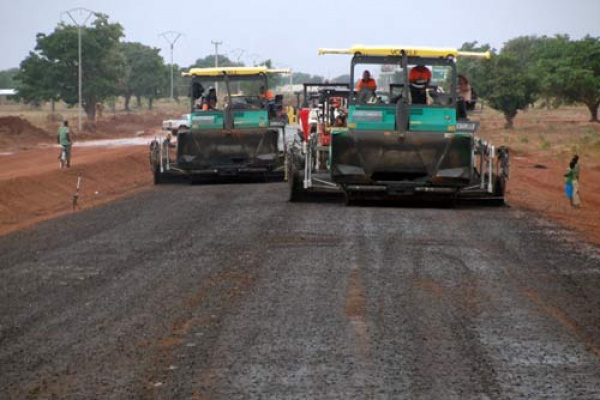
(290, 32)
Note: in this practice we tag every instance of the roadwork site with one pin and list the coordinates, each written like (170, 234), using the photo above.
(230, 292)
(239, 216)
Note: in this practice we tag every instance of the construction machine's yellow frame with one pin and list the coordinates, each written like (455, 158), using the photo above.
(408, 50)
(237, 71)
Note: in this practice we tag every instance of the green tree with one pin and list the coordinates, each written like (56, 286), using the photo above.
(527, 48)
(37, 81)
(7, 78)
(508, 87)
(51, 72)
(570, 71)
(209, 62)
(475, 69)
(146, 74)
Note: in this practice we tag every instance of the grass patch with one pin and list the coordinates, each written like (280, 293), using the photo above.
(544, 143)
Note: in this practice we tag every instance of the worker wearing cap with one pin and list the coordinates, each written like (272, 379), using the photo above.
(419, 78)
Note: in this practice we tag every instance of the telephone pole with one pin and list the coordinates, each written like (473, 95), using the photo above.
(82, 12)
(216, 43)
(171, 37)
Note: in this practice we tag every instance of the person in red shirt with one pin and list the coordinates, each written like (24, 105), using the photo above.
(419, 78)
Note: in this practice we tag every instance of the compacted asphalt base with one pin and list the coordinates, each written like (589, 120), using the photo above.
(231, 292)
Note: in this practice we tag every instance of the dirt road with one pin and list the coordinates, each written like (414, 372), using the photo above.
(230, 292)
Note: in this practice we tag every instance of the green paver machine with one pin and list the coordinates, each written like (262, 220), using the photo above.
(236, 128)
(403, 139)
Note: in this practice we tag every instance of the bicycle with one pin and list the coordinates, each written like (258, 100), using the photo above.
(63, 158)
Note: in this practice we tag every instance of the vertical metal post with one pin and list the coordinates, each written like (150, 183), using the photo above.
(172, 71)
(79, 58)
(171, 37)
(216, 43)
(80, 77)
(491, 169)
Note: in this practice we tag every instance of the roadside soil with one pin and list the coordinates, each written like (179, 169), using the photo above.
(541, 146)
(32, 188)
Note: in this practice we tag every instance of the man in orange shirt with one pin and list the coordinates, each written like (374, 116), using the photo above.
(419, 78)
(265, 94)
(366, 82)
(366, 87)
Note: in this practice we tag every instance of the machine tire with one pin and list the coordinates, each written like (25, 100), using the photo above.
(500, 189)
(297, 192)
(499, 186)
(352, 199)
(158, 177)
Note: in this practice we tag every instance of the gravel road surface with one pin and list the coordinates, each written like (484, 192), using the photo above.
(231, 292)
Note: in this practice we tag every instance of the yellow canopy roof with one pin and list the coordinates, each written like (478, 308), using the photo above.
(208, 72)
(410, 51)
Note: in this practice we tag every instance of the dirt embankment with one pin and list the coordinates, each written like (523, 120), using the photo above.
(32, 188)
(537, 184)
(542, 145)
(16, 131)
(38, 190)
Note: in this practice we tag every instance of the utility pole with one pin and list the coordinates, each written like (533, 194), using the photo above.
(87, 13)
(216, 43)
(171, 37)
(238, 54)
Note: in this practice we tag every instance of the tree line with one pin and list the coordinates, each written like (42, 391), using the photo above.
(111, 68)
(528, 70)
(548, 71)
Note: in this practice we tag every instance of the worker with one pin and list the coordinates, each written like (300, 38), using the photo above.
(265, 94)
(366, 82)
(340, 121)
(65, 142)
(197, 92)
(419, 78)
(464, 88)
(366, 87)
(210, 101)
(336, 109)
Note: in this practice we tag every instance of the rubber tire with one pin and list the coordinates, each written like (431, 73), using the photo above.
(352, 199)
(500, 189)
(158, 177)
(297, 192)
